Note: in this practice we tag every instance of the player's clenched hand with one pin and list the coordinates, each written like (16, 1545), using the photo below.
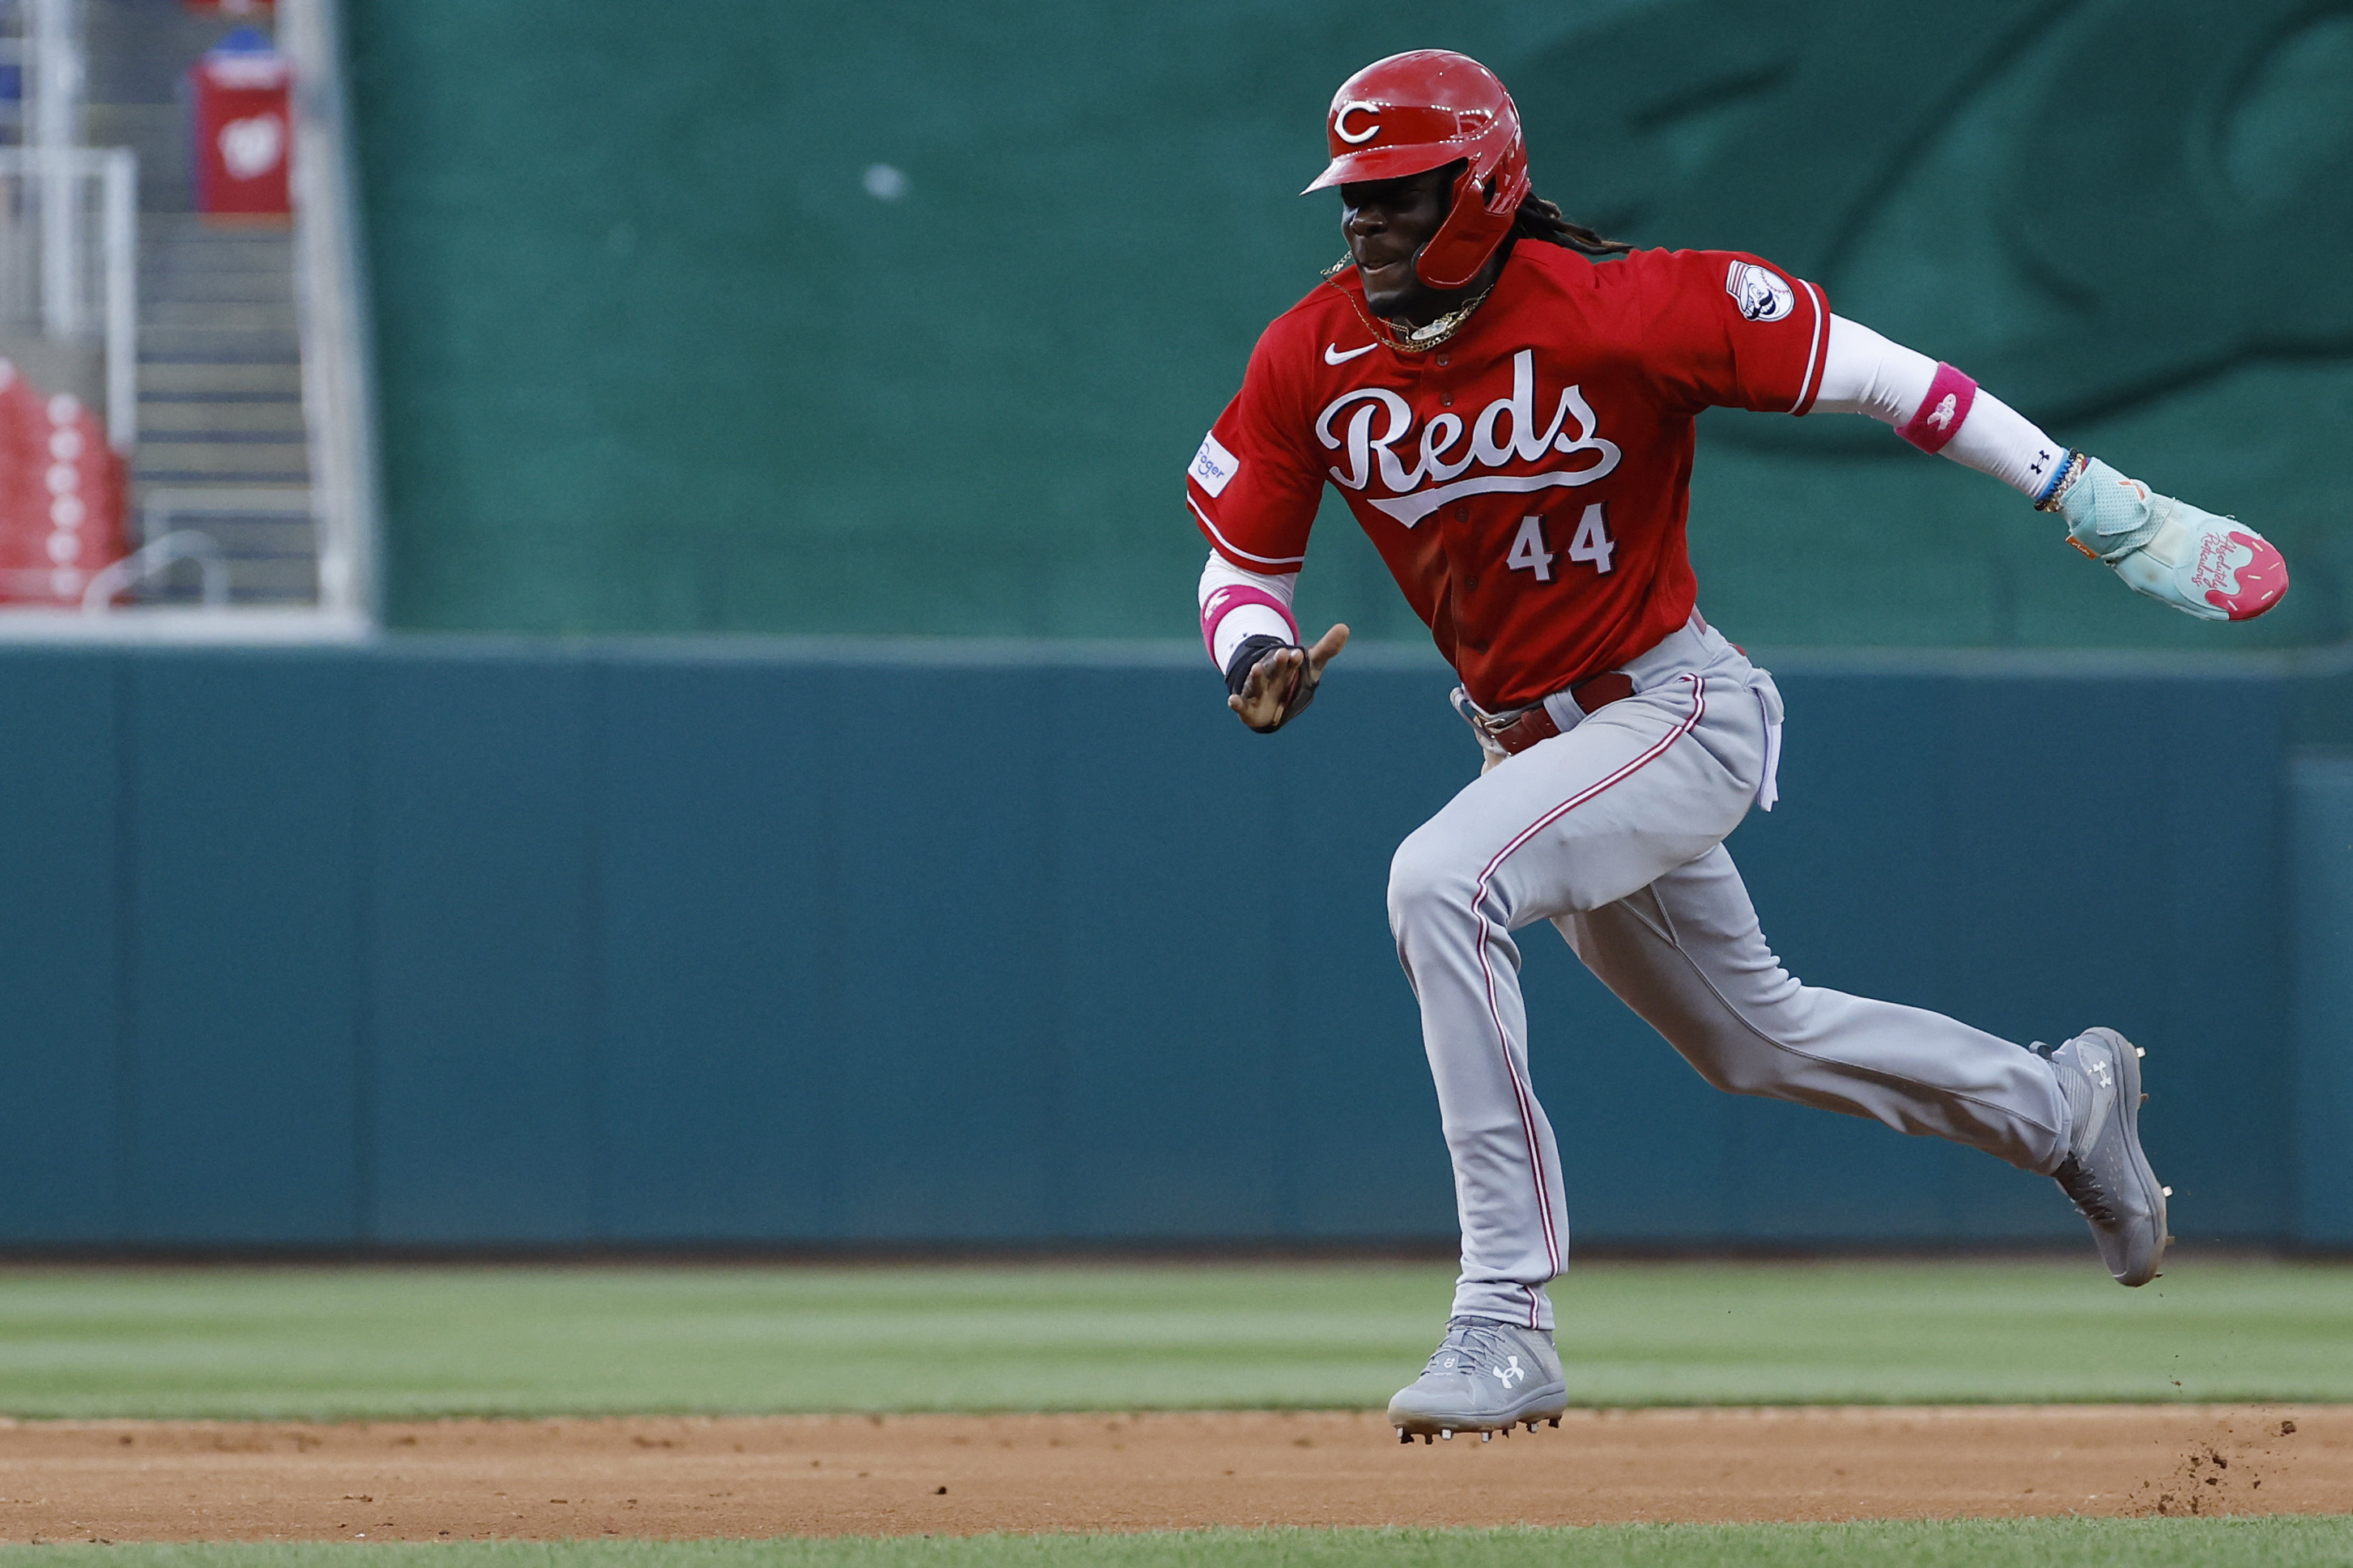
(1282, 682)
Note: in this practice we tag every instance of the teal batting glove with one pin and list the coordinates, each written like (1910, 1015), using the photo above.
(2215, 568)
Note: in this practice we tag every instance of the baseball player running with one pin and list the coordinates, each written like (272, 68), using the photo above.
(1505, 399)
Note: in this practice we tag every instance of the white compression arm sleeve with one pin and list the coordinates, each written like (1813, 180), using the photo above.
(1863, 373)
(1236, 603)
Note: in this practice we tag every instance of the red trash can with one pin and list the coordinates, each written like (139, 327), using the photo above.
(244, 127)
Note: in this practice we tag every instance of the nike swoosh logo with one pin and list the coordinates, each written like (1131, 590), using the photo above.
(1331, 355)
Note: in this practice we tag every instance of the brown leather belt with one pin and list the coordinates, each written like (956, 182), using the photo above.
(1535, 724)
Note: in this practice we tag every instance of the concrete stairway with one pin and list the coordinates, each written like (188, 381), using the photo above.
(220, 379)
(220, 403)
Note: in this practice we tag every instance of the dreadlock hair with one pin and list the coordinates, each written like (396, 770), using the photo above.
(1539, 219)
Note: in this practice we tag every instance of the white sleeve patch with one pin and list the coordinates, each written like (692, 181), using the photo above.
(1213, 467)
(1761, 294)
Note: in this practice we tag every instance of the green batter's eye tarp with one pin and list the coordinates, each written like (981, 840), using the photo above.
(904, 317)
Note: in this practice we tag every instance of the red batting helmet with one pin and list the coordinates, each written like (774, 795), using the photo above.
(1421, 111)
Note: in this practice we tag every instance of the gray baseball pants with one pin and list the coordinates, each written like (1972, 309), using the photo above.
(1613, 831)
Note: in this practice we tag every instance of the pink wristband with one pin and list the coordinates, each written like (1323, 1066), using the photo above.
(1950, 394)
(1223, 601)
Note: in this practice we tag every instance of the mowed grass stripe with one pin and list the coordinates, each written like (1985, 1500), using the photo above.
(382, 1342)
(2270, 1543)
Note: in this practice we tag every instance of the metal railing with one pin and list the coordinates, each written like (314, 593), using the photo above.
(331, 296)
(162, 512)
(69, 283)
(153, 560)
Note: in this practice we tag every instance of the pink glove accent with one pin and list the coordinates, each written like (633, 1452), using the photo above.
(1232, 597)
(2242, 589)
(1940, 413)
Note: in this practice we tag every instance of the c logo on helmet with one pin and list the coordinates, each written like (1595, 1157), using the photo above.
(1356, 137)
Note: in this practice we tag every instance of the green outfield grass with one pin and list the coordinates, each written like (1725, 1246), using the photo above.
(375, 1341)
(2272, 1542)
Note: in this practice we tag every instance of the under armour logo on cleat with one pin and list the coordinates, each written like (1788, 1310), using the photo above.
(1512, 1373)
(2107, 1081)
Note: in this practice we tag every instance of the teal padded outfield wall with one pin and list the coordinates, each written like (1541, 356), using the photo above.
(454, 943)
(654, 359)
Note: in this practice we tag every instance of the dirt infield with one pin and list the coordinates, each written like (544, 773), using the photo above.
(957, 1474)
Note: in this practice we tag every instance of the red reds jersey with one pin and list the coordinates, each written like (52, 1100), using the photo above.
(1527, 480)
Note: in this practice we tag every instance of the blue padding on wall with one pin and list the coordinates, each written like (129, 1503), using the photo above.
(243, 838)
(2322, 858)
(509, 943)
(61, 1147)
(720, 944)
(1173, 986)
(480, 851)
(1337, 794)
(944, 892)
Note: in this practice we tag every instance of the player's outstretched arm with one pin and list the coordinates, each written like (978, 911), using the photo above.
(1270, 683)
(2215, 568)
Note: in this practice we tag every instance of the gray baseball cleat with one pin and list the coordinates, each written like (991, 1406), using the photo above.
(1486, 1377)
(2105, 1172)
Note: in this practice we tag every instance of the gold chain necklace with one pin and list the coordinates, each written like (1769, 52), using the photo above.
(1409, 339)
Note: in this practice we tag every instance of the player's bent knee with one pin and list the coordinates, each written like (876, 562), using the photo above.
(1426, 884)
(1732, 1049)
(1739, 1063)
(1741, 1075)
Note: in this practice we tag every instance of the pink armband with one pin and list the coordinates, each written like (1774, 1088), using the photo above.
(1941, 412)
(1232, 597)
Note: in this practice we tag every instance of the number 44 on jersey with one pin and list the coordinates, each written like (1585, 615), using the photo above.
(1589, 545)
